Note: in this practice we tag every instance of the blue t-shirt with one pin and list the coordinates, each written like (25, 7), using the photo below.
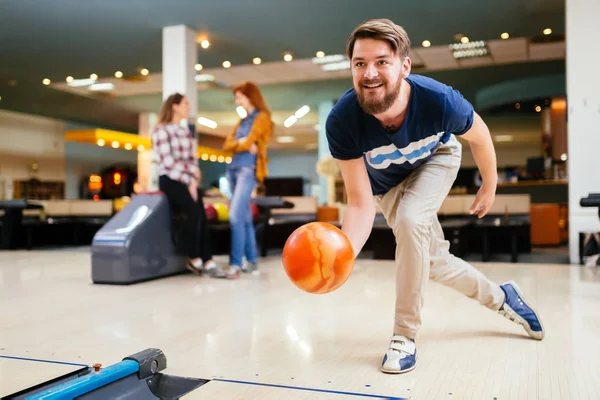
(244, 158)
(435, 112)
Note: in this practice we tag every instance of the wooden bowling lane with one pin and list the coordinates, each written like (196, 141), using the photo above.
(230, 389)
(20, 373)
(263, 329)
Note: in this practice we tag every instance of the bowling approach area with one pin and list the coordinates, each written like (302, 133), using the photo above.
(260, 337)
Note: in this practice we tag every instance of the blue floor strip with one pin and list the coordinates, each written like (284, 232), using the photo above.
(44, 361)
(373, 396)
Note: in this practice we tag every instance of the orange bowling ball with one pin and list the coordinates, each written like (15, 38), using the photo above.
(318, 257)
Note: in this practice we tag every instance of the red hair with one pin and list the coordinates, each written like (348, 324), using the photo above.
(252, 92)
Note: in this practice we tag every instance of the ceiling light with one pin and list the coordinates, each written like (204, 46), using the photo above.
(563, 156)
(288, 56)
(46, 81)
(291, 120)
(285, 139)
(213, 158)
(464, 39)
(505, 35)
(93, 76)
(205, 78)
(69, 79)
(256, 60)
(204, 156)
(198, 67)
(207, 122)
(538, 108)
(302, 111)
(228, 160)
(329, 59)
(205, 44)
(547, 31)
(81, 82)
(336, 66)
(115, 144)
(517, 106)
(320, 54)
(503, 138)
(128, 146)
(226, 64)
(144, 71)
(221, 159)
(102, 87)
(241, 112)
(100, 142)
(118, 74)
(141, 148)
(469, 49)
(426, 43)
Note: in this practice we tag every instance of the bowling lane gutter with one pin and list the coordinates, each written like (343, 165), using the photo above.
(372, 396)
(302, 388)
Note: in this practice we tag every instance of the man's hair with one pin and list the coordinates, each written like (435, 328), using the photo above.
(381, 29)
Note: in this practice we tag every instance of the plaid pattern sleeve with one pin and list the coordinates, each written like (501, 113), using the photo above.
(174, 152)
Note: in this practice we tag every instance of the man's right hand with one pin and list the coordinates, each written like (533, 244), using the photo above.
(360, 214)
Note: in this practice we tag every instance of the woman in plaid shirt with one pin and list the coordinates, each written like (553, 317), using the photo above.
(179, 176)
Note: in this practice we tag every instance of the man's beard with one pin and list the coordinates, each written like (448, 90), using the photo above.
(374, 105)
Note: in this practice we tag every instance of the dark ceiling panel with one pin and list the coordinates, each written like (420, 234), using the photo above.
(41, 100)
(55, 39)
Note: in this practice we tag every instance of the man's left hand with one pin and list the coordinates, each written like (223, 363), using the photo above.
(483, 201)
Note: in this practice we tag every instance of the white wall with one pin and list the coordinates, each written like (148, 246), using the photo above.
(583, 88)
(25, 139)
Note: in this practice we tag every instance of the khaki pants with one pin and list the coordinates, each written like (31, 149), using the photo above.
(410, 209)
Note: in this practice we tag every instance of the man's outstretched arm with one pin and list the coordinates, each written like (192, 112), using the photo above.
(482, 147)
(360, 213)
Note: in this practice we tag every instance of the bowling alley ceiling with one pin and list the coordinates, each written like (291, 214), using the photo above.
(56, 39)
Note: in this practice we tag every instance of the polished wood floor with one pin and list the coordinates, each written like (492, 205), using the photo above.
(260, 330)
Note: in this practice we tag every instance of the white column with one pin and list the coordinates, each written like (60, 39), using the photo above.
(324, 110)
(146, 165)
(179, 56)
(583, 102)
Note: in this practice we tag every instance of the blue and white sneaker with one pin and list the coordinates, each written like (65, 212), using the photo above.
(517, 310)
(401, 356)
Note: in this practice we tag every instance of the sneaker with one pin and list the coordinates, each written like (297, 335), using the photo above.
(249, 267)
(195, 267)
(401, 356)
(517, 310)
(234, 272)
(213, 270)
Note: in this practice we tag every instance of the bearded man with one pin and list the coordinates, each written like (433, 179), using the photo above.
(394, 137)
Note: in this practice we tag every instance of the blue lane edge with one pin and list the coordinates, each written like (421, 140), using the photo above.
(89, 382)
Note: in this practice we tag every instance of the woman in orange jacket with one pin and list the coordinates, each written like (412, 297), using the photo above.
(248, 142)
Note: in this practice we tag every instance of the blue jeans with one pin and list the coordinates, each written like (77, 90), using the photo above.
(242, 181)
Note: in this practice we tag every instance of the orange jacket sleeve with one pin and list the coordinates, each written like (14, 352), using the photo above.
(261, 131)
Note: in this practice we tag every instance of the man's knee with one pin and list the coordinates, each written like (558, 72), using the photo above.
(408, 223)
